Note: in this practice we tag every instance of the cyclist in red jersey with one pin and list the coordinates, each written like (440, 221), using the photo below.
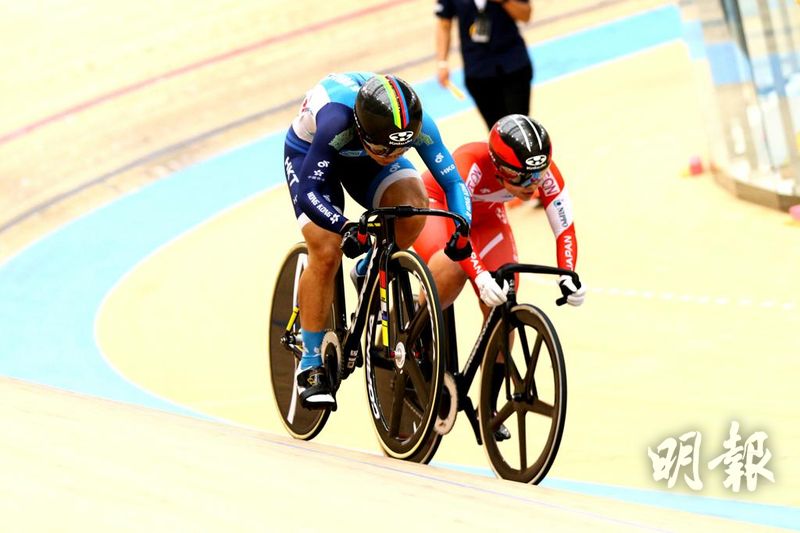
(514, 163)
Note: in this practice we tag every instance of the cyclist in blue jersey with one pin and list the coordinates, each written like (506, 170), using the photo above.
(350, 134)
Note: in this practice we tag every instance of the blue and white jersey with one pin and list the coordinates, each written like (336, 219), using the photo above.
(325, 131)
(336, 91)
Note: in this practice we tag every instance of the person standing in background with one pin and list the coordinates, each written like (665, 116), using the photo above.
(497, 69)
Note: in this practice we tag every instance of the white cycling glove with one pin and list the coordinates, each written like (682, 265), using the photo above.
(491, 293)
(575, 296)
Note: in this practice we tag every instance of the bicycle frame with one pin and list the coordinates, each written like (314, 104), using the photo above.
(380, 223)
(383, 246)
(465, 377)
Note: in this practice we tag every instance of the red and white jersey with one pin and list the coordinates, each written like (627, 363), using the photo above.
(488, 194)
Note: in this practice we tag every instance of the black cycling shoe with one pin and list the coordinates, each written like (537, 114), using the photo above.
(314, 388)
(502, 433)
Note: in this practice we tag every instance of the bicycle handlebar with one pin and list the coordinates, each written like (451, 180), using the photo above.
(507, 270)
(457, 248)
(405, 211)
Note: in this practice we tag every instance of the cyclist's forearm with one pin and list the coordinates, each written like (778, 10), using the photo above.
(458, 199)
(567, 249)
(558, 208)
(443, 168)
(472, 266)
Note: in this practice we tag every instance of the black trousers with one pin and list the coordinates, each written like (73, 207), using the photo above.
(501, 95)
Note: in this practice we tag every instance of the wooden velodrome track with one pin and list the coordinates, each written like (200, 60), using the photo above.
(691, 319)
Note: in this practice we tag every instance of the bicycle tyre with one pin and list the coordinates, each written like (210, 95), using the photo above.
(430, 445)
(449, 398)
(529, 396)
(404, 416)
(301, 423)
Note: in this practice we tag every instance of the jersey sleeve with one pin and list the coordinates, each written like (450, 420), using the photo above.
(333, 120)
(558, 206)
(445, 9)
(440, 162)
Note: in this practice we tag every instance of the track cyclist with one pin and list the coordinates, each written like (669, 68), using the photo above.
(516, 162)
(350, 134)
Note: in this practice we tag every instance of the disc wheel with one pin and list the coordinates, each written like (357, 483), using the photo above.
(404, 367)
(286, 348)
(532, 399)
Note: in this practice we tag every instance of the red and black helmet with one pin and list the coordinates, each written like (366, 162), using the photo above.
(520, 149)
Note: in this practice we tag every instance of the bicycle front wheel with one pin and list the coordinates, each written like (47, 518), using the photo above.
(285, 349)
(524, 390)
(404, 365)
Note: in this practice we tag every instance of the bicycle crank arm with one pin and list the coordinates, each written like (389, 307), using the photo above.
(472, 416)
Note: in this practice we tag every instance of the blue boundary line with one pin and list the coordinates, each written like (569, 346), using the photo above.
(742, 511)
(50, 292)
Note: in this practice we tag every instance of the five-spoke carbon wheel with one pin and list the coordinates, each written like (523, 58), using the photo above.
(404, 364)
(529, 396)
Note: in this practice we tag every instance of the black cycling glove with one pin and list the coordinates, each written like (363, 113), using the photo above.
(354, 243)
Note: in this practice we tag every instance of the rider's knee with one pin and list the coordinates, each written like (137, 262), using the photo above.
(418, 197)
(329, 264)
(324, 249)
(327, 257)
(407, 192)
(408, 229)
(447, 270)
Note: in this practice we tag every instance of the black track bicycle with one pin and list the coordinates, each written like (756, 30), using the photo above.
(403, 355)
(522, 402)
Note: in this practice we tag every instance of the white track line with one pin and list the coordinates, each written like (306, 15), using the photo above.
(668, 296)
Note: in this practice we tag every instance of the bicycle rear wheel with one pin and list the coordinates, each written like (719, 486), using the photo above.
(532, 401)
(285, 349)
(448, 405)
(427, 449)
(404, 365)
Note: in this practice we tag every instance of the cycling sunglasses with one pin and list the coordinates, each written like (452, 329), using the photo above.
(382, 150)
(517, 178)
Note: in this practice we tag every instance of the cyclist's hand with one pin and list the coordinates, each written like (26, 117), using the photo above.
(354, 243)
(491, 293)
(458, 247)
(574, 295)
